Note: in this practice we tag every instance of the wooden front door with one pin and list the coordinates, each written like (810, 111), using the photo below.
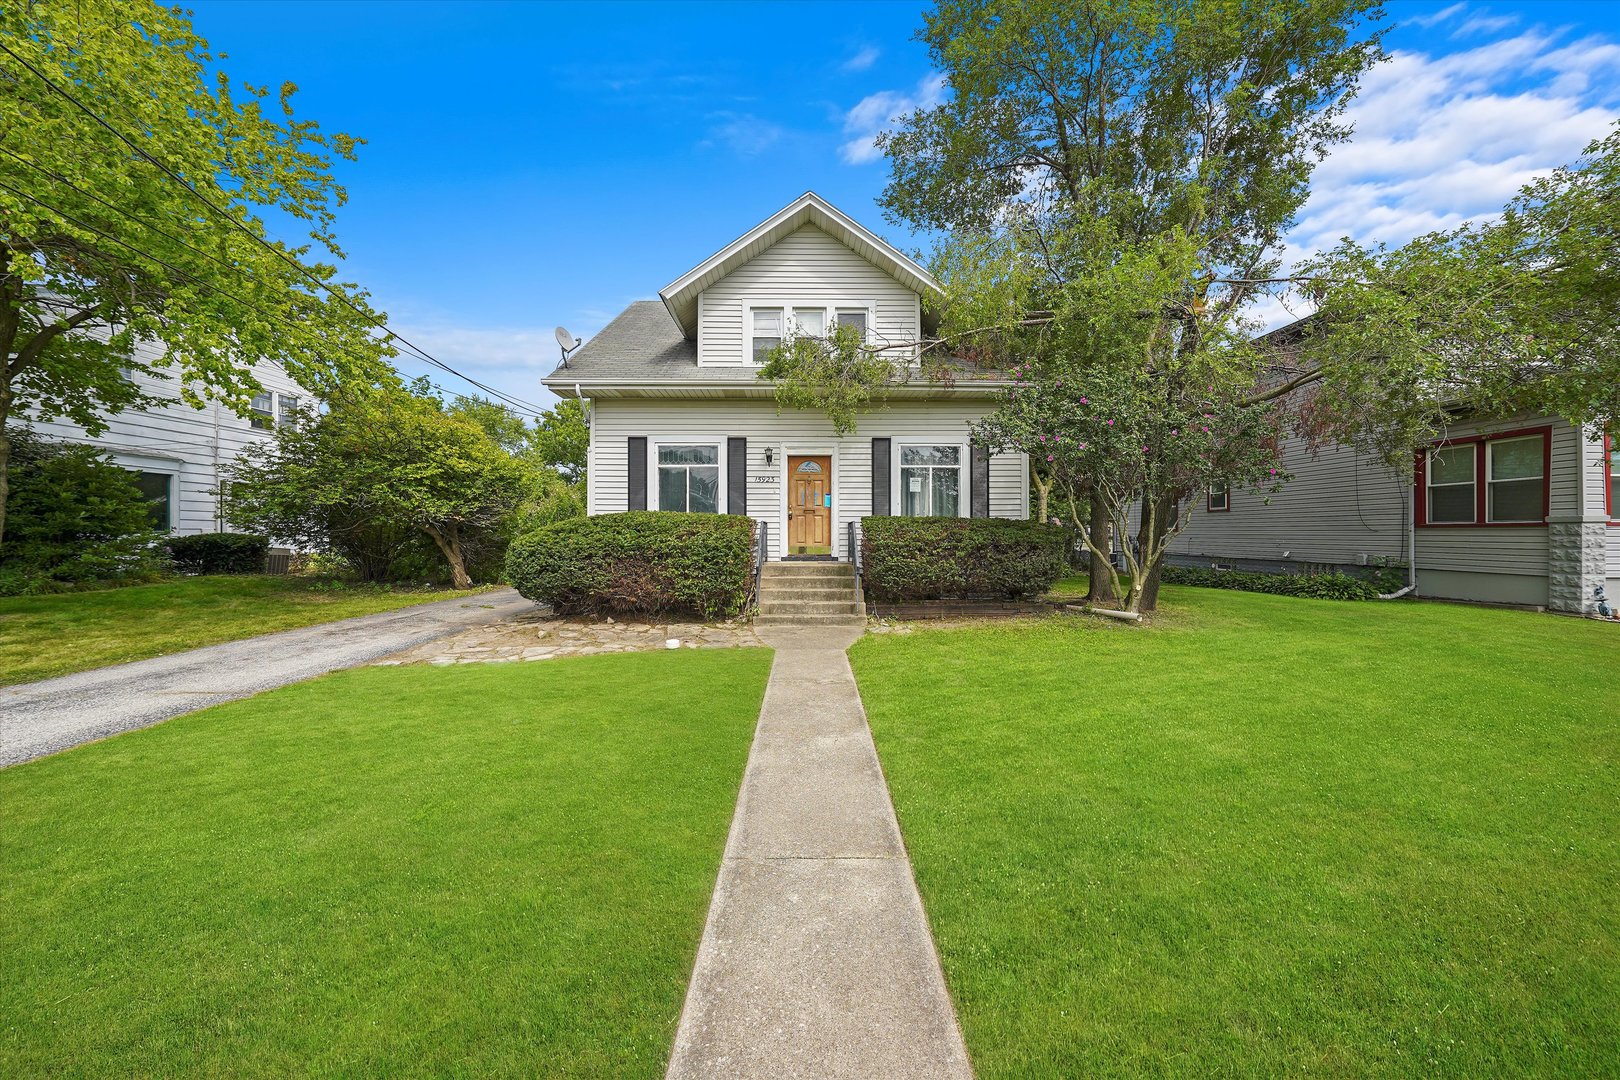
(809, 505)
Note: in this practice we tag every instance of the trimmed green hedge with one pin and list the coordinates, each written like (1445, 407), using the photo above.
(638, 563)
(932, 558)
(1330, 586)
(218, 553)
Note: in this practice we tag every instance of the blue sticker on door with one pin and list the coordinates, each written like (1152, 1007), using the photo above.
(826, 500)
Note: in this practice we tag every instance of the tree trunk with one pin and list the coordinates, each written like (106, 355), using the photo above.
(1101, 583)
(450, 545)
(1150, 537)
(5, 449)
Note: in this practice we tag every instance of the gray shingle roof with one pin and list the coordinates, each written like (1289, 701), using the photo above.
(642, 342)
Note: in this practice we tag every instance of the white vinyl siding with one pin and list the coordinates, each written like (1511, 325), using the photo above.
(173, 438)
(615, 421)
(807, 268)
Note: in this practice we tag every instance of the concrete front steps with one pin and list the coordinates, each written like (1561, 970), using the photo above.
(809, 594)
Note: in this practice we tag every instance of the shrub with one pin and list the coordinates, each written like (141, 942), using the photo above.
(219, 553)
(1328, 586)
(640, 563)
(908, 558)
(73, 518)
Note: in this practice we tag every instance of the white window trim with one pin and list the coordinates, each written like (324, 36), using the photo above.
(1429, 485)
(964, 500)
(718, 441)
(1225, 491)
(1490, 463)
(829, 313)
(751, 306)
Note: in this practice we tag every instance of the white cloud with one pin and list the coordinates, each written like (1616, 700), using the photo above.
(1484, 24)
(877, 112)
(1439, 16)
(864, 57)
(1440, 140)
(743, 134)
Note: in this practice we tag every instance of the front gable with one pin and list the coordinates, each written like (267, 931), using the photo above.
(809, 271)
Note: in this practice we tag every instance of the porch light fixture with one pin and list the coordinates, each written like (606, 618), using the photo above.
(770, 455)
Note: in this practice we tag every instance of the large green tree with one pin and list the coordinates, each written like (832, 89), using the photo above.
(135, 180)
(382, 463)
(1079, 136)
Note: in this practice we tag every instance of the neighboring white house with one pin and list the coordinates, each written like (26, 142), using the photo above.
(680, 419)
(1523, 510)
(176, 450)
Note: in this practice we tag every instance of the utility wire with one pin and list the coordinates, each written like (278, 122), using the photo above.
(230, 219)
(79, 222)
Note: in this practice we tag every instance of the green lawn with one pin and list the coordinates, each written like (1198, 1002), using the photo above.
(45, 636)
(482, 870)
(1266, 836)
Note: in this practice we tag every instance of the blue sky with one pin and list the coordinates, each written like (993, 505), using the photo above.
(529, 165)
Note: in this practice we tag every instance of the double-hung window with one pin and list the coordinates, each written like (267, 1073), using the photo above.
(1451, 491)
(689, 478)
(261, 412)
(765, 331)
(931, 481)
(1515, 479)
(855, 317)
(1220, 496)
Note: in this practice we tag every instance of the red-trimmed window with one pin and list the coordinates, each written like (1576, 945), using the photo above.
(1218, 498)
(1611, 490)
(1498, 479)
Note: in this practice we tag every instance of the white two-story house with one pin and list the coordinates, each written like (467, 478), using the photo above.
(176, 450)
(680, 419)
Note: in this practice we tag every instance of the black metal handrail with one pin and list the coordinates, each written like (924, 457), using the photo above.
(855, 548)
(763, 532)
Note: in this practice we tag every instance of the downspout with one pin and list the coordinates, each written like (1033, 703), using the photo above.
(1411, 558)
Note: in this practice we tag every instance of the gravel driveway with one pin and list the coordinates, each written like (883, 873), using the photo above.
(43, 717)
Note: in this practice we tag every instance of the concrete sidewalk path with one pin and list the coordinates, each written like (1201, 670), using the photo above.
(44, 717)
(817, 959)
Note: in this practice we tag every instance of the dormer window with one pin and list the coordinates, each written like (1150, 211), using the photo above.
(765, 331)
(810, 322)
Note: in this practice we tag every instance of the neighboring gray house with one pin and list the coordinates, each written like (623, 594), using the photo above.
(176, 450)
(680, 419)
(1523, 510)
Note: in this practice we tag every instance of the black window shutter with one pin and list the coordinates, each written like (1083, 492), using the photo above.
(880, 478)
(638, 472)
(736, 475)
(979, 482)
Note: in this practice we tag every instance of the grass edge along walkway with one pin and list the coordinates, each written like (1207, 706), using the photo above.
(491, 870)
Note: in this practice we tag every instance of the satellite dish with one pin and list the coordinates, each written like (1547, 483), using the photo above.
(568, 342)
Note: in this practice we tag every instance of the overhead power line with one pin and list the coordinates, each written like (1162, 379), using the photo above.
(338, 294)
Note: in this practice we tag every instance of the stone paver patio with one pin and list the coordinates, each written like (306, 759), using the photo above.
(540, 635)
